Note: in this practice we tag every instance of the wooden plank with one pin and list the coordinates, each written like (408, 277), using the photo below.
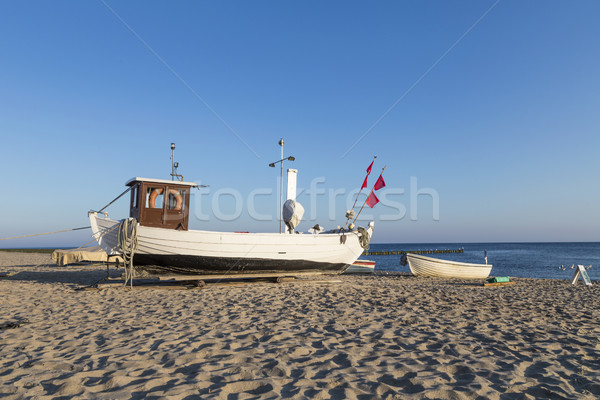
(584, 275)
(236, 276)
(328, 281)
(575, 276)
(146, 284)
(283, 279)
(498, 283)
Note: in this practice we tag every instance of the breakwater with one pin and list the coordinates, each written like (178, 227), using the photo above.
(400, 252)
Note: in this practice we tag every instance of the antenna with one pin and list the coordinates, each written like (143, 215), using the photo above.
(174, 165)
(272, 165)
(281, 190)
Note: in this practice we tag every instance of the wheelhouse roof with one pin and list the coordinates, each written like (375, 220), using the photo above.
(133, 181)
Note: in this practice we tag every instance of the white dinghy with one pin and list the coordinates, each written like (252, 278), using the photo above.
(426, 266)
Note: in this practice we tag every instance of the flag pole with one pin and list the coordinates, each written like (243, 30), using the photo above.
(372, 189)
(358, 194)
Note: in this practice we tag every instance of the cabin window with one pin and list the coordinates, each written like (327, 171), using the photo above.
(176, 199)
(135, 196)
(154, 197)
(134, 209)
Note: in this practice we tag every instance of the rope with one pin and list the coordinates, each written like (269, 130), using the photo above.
(47, 233)
(83, 245)
(94, 239)
(116, 198)
(128, 244)
(364, 238)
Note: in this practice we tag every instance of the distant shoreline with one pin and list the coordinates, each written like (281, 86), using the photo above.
(50, 249)
(32, 250)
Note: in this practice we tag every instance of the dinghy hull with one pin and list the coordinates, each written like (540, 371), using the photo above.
(426, 266)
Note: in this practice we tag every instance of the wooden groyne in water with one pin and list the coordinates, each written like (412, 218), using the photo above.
(400, 252)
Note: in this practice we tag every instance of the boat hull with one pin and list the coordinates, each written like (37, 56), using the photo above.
(361, 267)
(216, 253)
(427, 266)
(188, 264)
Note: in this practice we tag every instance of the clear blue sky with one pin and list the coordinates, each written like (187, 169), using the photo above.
(492, 106)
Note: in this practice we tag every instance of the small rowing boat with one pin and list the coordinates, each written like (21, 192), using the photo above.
(427, 266)
(361, 267)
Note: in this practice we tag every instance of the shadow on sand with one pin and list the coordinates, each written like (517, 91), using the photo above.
(72, 274)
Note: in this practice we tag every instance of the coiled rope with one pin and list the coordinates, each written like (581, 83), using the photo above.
(364, 238)
(128, 244)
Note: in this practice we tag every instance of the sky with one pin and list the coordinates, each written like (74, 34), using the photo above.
(484, 113)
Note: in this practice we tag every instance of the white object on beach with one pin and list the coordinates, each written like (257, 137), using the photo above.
(580, 271)
(292, 176)
(361, 267)
(86, 254)
(292, 214)
(426, 266)
(165, 245)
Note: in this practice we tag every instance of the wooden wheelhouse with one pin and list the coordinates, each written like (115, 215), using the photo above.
(160, 203)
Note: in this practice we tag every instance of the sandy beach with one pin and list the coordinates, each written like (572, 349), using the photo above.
(362, 337)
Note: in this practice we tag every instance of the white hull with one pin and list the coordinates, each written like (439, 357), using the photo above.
(206, 252)
(361, 267)
(427, 266)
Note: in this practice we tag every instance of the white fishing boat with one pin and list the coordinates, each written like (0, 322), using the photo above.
(426, 266)
(361, 267)
(157, 237)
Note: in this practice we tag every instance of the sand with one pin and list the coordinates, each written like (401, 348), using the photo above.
(381, 336)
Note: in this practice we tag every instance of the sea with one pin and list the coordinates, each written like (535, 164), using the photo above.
(521, 260)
